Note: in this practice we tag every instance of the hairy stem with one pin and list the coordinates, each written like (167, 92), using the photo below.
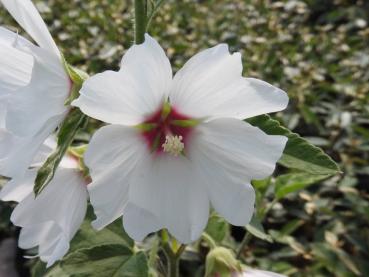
(140, 21)
(172, 257)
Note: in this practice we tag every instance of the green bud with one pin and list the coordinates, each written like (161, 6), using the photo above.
(77, 151)
(77, 78)
(221, 262)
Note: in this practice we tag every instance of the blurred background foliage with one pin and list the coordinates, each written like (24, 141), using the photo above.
(317, 51)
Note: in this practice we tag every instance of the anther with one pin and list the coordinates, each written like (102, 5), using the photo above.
(173, 145)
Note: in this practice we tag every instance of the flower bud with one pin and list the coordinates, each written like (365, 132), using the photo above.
(221, 262)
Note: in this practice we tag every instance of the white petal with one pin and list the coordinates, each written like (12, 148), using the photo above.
(47, 147)
(15, 65)
(149, 62)
(48, 236)
(260, 273)
(111, 156)
(52, 219)
(21, 185)
(31, 236)
(210, 85)
(18, 153)
(26, 14)
(69, 161)
(237, 144)
(64, 203)
(2, 113)
(19, 188)
(54, 252)
(44, 97)
(259, 97)
(127, 97)
(230, 153)
(138, 223)
(9, 38)
(169, 188)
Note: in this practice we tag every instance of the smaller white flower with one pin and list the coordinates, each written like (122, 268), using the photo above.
(34, 86)
(49, 221)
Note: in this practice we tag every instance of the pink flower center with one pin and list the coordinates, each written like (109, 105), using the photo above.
(167, 130)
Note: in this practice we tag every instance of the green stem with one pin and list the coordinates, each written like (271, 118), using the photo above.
(244, 243)
(172, 264)
(171, 256)
(140, 21)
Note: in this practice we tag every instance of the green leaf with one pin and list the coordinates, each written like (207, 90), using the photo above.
(288, 240)
(256, 229)
(217, 227)
(291, 226)
(299, 153)
(67, 131)
(293, 182)
(39, 270)
(106, 260)
(331, 261)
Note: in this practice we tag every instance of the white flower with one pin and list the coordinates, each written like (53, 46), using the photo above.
(177, 144)
(259, 273)
(51, 220)
(34, 86)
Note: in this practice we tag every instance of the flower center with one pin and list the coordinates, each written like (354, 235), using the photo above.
(173, 145)
(167, 130)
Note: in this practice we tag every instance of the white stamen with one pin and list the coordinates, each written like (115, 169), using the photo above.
(173, 145)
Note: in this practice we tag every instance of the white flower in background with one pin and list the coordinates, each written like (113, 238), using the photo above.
(49, 221)
(34, 86)
(177, 144)
(259, 273)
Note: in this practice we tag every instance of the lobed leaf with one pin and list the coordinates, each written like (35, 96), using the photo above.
(106, 260)
(217, 227)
